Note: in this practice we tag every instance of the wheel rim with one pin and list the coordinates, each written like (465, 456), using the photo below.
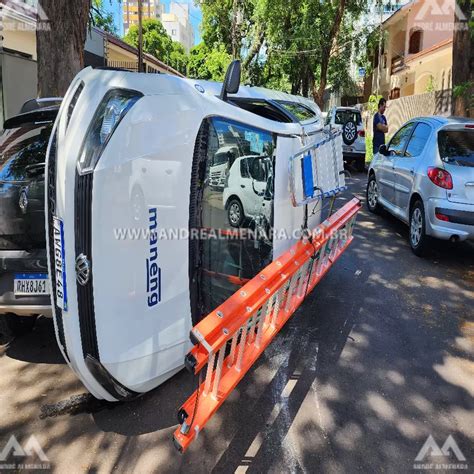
(350, 131)
(416, 227)
(234, 213)
(372, 194)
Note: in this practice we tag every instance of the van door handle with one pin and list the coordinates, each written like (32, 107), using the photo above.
(470, 185)
(242, 185)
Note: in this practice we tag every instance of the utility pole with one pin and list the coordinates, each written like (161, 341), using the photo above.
(140, 36)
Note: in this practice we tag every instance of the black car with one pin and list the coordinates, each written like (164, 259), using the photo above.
(24, 284)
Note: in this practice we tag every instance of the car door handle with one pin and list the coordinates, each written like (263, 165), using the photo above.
(412, 171)
(470, 185)
(242, 185)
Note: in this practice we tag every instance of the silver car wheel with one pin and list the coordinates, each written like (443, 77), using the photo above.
(416, 227)
(234, 213)
(372, 194)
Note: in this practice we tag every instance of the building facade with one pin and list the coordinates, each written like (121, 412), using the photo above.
(150, 9)
(417, 51)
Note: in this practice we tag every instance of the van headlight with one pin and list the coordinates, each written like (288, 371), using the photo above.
(113, 108)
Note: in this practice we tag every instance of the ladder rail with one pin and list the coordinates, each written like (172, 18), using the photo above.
(249, 320)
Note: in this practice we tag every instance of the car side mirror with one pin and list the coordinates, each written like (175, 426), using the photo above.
(383, 150)
(232, 80)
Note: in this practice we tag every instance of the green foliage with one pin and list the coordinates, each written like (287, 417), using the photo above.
(101, 18)
(210, 64)
(373, 104)
(159, 44)
(431, 85)
(465, 91)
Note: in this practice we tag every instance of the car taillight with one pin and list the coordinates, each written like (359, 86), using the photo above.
(440, 177)
(442, 217)
(361, 133)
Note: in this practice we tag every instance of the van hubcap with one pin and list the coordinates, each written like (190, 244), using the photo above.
(416, 227)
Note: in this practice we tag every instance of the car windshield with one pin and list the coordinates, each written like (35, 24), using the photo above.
(457, 147)
(343, 116)
(23, 151)
(301, 112)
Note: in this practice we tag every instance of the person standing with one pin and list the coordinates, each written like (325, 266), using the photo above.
(380, 126)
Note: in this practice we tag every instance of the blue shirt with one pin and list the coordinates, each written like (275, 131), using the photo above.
(379, 137)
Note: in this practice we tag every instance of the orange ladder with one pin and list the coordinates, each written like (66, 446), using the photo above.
(230, 339)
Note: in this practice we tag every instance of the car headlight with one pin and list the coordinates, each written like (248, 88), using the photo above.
(111, 111)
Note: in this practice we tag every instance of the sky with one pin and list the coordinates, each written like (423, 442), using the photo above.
(195, 16)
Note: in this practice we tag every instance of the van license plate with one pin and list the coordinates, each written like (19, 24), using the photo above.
(30, 284)
(59, 264)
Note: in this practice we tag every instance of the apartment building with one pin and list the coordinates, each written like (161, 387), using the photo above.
(178, 26)
(150, 9)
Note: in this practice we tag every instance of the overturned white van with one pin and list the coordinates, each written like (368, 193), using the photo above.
(133, 214)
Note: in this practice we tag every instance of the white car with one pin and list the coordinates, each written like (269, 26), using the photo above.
(353, 134)
(127, 291)
(248, 193)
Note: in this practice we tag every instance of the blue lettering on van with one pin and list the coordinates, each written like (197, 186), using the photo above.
(153, 271)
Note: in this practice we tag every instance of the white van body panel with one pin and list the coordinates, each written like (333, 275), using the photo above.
(144, 173)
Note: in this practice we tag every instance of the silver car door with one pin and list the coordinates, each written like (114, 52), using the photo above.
(405, 166)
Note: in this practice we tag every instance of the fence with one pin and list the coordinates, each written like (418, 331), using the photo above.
(403, 109)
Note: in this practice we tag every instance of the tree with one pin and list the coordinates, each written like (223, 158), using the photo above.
(209, 64)
(101, 18)
(463, 64)
(60, 38)
(155, 39)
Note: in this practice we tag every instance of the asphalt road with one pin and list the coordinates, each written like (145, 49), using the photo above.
(380, 356)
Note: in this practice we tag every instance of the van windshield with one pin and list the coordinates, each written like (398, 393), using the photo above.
(456, 147)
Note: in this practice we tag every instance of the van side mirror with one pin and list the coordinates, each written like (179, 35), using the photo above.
(383, 150)
(232, 80)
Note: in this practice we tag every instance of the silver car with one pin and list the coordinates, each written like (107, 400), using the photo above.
(425, 177)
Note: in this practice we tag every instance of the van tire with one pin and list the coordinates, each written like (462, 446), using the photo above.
(12, 326)
(235, 212)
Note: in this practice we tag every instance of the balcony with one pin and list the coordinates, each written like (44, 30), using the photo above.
(398, 64)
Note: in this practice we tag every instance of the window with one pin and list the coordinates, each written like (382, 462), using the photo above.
(418, 140)
(263, 109)
(233, 201)
(399, 140)
(456, 147)
(394, 93)
(343, 116)
(173, 32)
(23, 151)
(416, 40)
(301, 112)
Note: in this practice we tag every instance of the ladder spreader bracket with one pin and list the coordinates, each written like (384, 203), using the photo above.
(230, 339)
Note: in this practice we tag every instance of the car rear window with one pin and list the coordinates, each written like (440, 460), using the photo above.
(456, 147)
(23, 151)
(343, 116)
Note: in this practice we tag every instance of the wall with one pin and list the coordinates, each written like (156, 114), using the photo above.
(401, 110)
(16, 92)
(22, 41)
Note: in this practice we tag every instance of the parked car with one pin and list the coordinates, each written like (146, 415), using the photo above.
(123, 303)
(24, 284)
(248, 191)
(353, 134)
(425, 177)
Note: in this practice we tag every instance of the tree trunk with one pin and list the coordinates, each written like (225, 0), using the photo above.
(318, 93)
(60, 38)
(236, 33)
(463, 64)
(255, 49)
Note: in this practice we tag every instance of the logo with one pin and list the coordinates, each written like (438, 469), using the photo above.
(23, 202)
(431, 449)
(439, 8)
(31, 448)
(153, 271)
(83, 269)
(199, 88)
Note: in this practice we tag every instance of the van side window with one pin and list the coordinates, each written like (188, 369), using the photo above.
(234, 202)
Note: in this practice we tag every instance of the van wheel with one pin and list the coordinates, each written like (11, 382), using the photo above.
(12, 326)
(235, 213)
(373, 195)
(419, 241)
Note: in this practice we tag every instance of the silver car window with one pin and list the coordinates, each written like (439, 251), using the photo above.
(418, 140)
(399, 140)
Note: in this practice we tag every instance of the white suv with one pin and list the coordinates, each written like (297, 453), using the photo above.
(248, 191)
(353, 134)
